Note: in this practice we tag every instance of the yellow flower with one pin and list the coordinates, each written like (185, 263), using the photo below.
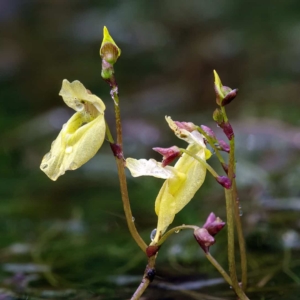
(182, 181)
(81, 137)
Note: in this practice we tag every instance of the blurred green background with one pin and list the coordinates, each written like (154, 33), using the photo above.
(69, 239)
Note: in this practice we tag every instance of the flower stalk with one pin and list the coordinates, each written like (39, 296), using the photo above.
(109, 53)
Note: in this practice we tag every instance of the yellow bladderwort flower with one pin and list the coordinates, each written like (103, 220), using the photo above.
(109, 49)
(182, 181)
(81, 137)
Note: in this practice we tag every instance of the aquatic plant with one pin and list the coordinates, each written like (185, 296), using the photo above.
(82, 136)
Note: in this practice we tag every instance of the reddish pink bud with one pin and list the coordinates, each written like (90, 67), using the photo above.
(224, 181)
(227, 129)
(209, 132)
(117, 150)
(213, 224)
(204, 239)
(229, 96)
(189, 126)
(169, 154)
(152, 250)
(224, 146)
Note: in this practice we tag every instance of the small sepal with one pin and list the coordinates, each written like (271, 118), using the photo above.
(169, 154)
(213, 224)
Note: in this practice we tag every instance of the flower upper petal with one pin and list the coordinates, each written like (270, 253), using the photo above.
(75, 95)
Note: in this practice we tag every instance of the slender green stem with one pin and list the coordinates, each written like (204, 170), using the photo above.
(202, 161)
(219, 268)
(108, 134)
(121, 169)
(173, 230)
(240, 234)
(230, 237)
(146, 280)
(232, 209)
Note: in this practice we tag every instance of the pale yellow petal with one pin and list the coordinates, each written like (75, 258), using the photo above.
(75, 95)
(144, 167)
(195, 175)
(166, 214)
(75, 145)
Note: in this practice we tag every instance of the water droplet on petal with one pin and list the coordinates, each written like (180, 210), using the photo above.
(153, 234)
(240, 211)
(69, 149)
(73, 166)
(44, 166)
(133, 219)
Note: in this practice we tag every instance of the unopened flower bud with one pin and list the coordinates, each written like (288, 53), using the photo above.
(109, 51)
(229, 97)
(224, 94)
(213, 224)
(224, 181)
(169, 154)
(117, 150)
(218, 116)
(227, 129)
(223, 146)
(204, 239)
(209, 132)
